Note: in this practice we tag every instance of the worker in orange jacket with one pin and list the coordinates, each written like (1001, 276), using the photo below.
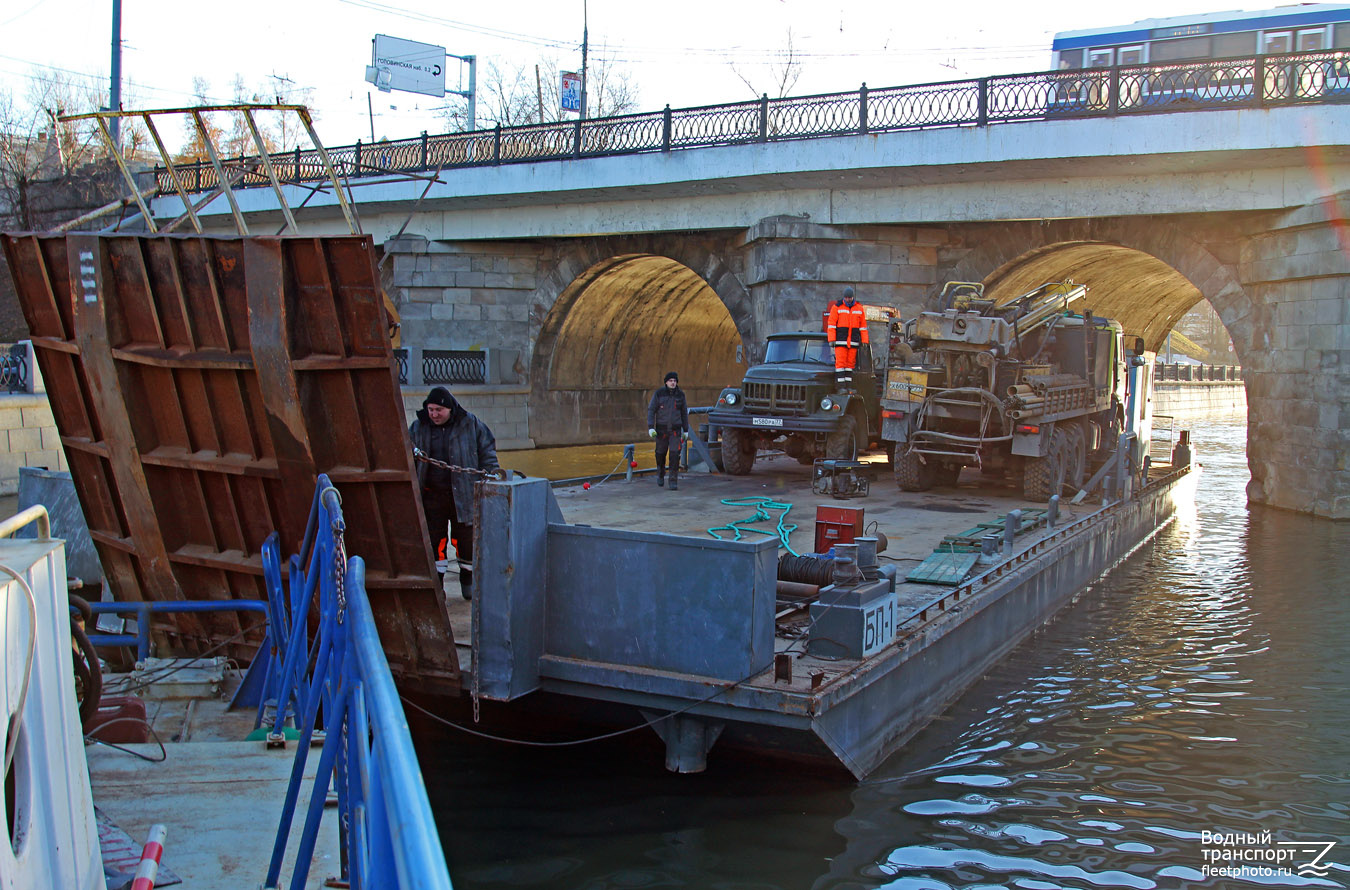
(847, 332)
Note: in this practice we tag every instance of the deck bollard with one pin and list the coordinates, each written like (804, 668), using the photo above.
(629, 455)
(1052, 511)
(1011, 522)
(988, 548)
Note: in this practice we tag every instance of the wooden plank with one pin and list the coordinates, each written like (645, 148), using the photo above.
(943, 568)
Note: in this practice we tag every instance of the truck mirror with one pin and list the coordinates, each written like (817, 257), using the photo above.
(1138, 346)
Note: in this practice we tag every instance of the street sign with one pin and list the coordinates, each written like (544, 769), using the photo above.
(407, 65)
(569, 96)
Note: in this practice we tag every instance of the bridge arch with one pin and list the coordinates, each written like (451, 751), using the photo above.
(1145, 274)
(620, 314)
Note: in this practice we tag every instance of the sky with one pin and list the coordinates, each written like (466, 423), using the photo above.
(686, 53)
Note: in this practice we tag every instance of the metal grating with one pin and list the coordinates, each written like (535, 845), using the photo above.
(200, 385)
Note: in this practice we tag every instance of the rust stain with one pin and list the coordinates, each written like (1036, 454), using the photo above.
(227, 264)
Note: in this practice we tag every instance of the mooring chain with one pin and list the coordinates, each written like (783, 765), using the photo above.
(340, 568)
(419, 454)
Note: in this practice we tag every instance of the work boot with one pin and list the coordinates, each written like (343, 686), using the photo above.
(674, 481)
(466, 584)
(660, 480)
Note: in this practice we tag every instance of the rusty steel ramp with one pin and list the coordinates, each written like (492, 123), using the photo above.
(200, 384)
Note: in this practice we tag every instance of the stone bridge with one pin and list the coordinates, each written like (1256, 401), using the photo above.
(597, 276)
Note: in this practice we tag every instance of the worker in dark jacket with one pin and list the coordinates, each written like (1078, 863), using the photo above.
(444, 431)
(668, 424)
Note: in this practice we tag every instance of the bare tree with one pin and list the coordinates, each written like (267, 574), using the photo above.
(36, 146)
(516, 95)
(229, 132)
(779, 77)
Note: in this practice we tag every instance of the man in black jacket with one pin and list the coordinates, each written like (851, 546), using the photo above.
(444, 431)
(668, 424)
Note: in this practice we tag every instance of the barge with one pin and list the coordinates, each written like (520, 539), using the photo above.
(201, 384)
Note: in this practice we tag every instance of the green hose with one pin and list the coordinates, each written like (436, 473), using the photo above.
(762, 507)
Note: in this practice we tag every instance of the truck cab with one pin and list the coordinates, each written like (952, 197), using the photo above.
(789, 401)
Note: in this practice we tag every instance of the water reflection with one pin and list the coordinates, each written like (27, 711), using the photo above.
(1200, 689)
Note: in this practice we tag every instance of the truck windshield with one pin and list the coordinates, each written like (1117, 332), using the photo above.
(803, 350)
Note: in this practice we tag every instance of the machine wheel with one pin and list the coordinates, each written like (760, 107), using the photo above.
(911, 474)
(1075, 455)
(945, 475)
(842, 444)
(1044, 476)
(738, 451)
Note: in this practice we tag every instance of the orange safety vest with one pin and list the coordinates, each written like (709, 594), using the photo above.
(847, 325)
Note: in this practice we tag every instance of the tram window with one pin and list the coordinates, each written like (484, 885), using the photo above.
(1312, 41)
(1277, 42)
(1342, 36)
(1176, 50)
(1238, 45)
(1073, 58)
(1130, 55)
(1101, 58)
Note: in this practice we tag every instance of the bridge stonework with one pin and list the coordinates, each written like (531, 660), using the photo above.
(598, 320)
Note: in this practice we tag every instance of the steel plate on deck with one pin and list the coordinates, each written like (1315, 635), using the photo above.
(200, 385)
(943, 567)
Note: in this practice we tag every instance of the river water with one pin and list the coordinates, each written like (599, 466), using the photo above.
(1191, 709)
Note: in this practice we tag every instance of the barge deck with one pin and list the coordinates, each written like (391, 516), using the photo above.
(632, 639)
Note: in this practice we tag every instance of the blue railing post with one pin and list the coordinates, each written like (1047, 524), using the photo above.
(982, 103)
(387, 831)
(1113, 91)
(1259, 81)
(665, 129)
(862, 109)
(764, 118)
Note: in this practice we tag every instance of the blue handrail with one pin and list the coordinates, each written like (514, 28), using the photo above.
(387, 830)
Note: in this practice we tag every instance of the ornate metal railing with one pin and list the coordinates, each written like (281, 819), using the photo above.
(14, 369)
(1179, 371)
(454, 366)
(1256, 82)
(401, 357)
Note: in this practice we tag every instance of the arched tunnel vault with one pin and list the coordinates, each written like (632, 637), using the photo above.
(1143, 293)
(613, 334)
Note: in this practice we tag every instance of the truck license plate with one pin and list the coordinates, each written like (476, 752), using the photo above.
(879, 624)
(766, 421)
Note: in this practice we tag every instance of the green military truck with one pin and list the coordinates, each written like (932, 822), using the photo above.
(789, 402)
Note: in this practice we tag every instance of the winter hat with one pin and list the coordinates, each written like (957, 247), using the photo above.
(671, 375)
(848, 293)
(440, 396)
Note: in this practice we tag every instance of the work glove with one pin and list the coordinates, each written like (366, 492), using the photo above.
(651, 434)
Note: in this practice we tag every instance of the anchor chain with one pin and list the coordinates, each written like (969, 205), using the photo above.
(498, 474)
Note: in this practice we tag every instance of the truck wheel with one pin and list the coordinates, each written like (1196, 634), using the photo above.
(1044, 476)
(1075, 455)
(842, 444)
(738, 451)
(911, 474)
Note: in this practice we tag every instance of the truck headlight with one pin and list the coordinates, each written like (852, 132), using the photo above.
(826, 403)
(731, 398)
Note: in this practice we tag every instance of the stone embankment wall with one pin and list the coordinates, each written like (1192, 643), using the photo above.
(28, 438)
(1199, 398)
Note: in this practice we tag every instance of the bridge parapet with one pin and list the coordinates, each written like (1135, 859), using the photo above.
(1254, 82)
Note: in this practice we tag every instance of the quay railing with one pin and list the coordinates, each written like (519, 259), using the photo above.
(1181, 371)
(338, 687)
(1263, 81)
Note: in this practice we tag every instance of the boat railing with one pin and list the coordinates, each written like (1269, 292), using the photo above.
(387, 832)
